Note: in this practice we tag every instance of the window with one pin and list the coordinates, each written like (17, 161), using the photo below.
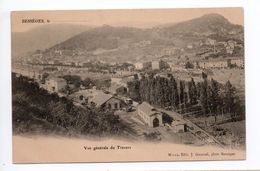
(116, 105)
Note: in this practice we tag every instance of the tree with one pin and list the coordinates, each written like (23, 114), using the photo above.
(181, 94)
(153, 95)
(231, 100)
(229, 97)
(214, 98)
(35, 109)
(166, 92)
(189, 65)
(73, 79)
(192, 91)
(134, 90)
(87, 82)
(175, 93)
(44, 76)
(204, 75)
(203, 100)
(182, 87)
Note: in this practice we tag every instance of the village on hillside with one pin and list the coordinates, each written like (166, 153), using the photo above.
(190, 94)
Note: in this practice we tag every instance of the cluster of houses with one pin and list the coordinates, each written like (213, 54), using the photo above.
(220, 64)
(223, 63)
(52, 84)
(149, 115)
(207, 48)
(211, 64)
(154, 65)
(228, 46)
(101, 67)
(142, 44)
(106, 100)
(121, 69)
(30, 73)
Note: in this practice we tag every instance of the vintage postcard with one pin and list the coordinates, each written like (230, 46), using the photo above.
(128, 85)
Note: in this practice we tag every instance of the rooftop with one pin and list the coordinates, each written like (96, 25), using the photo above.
(113, 88)
(96, 96)
(100, 98)
(147, 108)
(57, 79)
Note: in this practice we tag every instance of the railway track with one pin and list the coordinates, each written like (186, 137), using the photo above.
(194, 129)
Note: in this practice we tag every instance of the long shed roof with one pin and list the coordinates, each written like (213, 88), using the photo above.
(147, 108)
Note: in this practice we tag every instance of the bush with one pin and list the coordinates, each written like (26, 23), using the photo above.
(33, 105)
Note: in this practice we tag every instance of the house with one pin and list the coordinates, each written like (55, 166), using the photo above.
(142, 44)
(51, 62)
(143, 65)
(178, 126)
(169, 51)
(37, 75)
(189, 46)
(229, 50)
(100, 99)
(147, 65)
(230, 46)
(68, 63)
(213, 64)
(175, 67)
(37, 55)
(155, 65)
(210, 41)
(150, 115)
(159, 65)
(106, 101)
(118, 89)
(79, 64)
(115, 80)
(55, 84)
(130, 68)
(139, 66)
(237, 62)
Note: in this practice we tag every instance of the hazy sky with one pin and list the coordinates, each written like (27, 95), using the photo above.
(143, 18)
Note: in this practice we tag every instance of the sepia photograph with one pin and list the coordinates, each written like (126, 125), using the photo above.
(128, 85)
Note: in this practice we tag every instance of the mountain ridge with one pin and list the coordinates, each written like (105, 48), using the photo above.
(43, 37)
(130, 42)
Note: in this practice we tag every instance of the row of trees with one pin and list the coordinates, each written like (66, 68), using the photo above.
(206, 97)
(34, 108)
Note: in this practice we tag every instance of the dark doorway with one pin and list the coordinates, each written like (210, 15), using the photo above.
(155, 122)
